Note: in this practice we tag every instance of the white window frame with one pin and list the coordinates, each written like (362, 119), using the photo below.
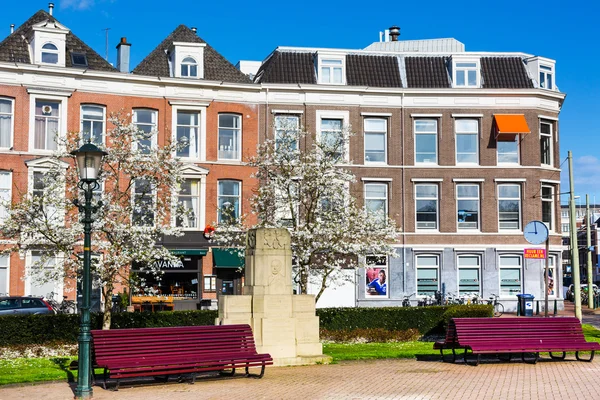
(383, 132)
(550, 138)
(201, 136)
(5, 194)
(468, 267)
(520, 201)
(58, 286)
(552, 266)
(503, 267)
(284, 214)
(377, 266)
(6, 288)
(31, 171)
(467, 198)
(419, 267)
(549, 200)
(239, 197)
(385, 198)
(518, 145)
(341, 115)
(425, 132)
(239, 140)
(188, 65)
(55, 51)
(466, 133)
(456, 70)
(198, 197)
(62, 120)
(325, 61)
(93, 121)
(153, 124)
(289, 117)
(12, 122)
(546, 71)
(437, 201)
(565, 227)
(212, 283)
(133, 203)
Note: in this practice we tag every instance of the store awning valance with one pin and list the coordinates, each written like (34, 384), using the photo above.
(508, 126)
(228, 258)
(189, 252)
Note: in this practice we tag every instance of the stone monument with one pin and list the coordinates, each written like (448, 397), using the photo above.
(284, 324)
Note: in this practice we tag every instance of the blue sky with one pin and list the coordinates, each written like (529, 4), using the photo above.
(561, 30)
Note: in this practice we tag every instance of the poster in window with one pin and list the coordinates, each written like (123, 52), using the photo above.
(376, 276)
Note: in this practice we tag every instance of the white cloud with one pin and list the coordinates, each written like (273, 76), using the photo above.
(77, 4)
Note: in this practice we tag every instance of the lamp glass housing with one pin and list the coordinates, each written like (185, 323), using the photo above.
(89, 160)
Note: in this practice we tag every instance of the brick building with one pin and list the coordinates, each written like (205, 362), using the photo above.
(51, 82)
(459, 148)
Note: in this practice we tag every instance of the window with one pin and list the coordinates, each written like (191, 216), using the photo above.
(210, 283)
(376, 276)
(331, 70)
(47, 124)
(288, 204)
(6, 123)
(375, 140)
(546, 143)
(4, 274)
(286, 132)
(546, 77)
(189, 67)
(376, 201)
(49, 54)
(466, 74)
(469, 274)
(508, 151)
(467, 139)
(426, 141)
(565, 227)
(92, 124)
(41, 266)
(189, 200)
(332, 137)
(426, 196)
(548, 206)
(467, 196)
(43, 198)
(79, 60)
(428, 275)
(228, 201)
(145, 121)
(564, 213)
(230, 137)
(551, 276)
(188, 134)
(5, 195)
(509, 206)
(510, 275)
(143, 203)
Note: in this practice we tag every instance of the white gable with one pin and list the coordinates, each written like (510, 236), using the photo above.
(48, 43)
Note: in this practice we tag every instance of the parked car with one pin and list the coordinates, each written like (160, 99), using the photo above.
(15, 305)
(584, 287)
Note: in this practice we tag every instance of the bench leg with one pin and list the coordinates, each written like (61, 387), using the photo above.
(453, 355)
(535, 358)
(228, 373)
(257, 376)
(564, 355)
(581, 359)
(193, 379)
(104, 383)
(467, 362)
(508, 359)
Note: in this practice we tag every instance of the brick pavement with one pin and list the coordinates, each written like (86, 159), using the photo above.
(378, 379)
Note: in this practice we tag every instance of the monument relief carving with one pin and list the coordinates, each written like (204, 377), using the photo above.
(272, 239)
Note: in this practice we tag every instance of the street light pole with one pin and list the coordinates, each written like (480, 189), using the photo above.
(89, 159)
(574, 243)
(588, 252)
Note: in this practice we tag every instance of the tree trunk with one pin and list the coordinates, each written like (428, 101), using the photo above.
(323, 284)
(107, 314)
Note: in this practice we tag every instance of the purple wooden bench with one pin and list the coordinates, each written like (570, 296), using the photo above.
(519, 335)
(158, 352)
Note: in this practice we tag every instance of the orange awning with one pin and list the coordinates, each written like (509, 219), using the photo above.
(509, 125)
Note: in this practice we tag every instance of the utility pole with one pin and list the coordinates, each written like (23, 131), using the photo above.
(589, 252)
(106, 48)
(574, 243)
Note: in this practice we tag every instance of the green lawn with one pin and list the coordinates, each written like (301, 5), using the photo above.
(22, 370)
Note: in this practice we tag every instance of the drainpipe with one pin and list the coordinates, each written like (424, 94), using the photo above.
(403, 168)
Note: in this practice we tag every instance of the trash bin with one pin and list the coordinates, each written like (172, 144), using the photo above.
(526, 304)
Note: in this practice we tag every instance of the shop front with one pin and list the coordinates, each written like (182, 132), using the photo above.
(229, 266)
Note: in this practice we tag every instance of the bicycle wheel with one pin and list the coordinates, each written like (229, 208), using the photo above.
(498, 309)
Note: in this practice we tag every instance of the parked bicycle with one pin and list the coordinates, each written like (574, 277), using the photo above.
(406, 300)
(63, 307)
(498, 307)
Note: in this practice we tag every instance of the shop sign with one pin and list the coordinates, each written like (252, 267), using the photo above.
(539, 254)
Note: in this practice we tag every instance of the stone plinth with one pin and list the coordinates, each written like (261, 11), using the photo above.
(284, 324)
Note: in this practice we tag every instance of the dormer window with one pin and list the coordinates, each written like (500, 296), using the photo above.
(466, 73)
(331, 69)
(546, 77)
(189, 67)
(79, 60)
(49, 54)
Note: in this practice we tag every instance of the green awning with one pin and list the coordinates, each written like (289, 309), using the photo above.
(189, 252)
(228, 258)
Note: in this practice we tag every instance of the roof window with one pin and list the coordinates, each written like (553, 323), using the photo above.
(79, 59)
(49, 54)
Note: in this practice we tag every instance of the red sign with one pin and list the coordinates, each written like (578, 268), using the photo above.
(535, 253)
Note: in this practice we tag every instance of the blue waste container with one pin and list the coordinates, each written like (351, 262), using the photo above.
(526, 304)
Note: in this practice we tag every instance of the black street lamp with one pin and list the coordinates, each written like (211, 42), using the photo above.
(89, 160)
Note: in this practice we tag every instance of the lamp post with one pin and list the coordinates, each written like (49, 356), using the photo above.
(89, 160)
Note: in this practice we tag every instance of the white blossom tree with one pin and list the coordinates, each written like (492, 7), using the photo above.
(308, 193)
(134, 208)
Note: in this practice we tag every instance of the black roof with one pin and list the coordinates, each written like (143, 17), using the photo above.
(288, 67)
(14, 47)
(427, 72)
(216, 67)
(504, 73)
(376, 71)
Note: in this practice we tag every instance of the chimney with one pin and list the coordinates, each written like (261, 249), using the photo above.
(123, 50)
(50, 8)
(394, 33)
(12, 28)
(194, 29)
